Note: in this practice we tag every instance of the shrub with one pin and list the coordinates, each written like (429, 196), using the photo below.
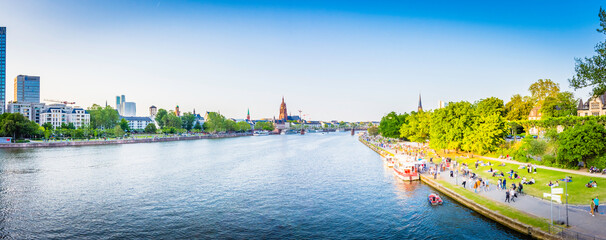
(599, 162)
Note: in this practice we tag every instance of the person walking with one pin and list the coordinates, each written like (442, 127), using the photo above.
(592, 207)
(465, 181)
(506, 196)
(504, 183)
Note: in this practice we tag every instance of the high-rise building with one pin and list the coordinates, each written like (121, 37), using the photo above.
(2, 69)
(129, 109)
(29, 110)
(27, 89)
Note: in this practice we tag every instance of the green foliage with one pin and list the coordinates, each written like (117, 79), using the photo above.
(518, 107)
(542, 89)
(561, 105)
(490, 106)
(171, 120)
(198, 126)
(188, 120)
(417, 127)
(373, 131)
(150, 128)
(100, 117)
(242, 127)
(391, 123)
(160, 115)
(591, 71)
(450, 125)
(533, 146)
(118, 132)
(48, 126)
(598, 162)
(218, 123)
(124, 125)
(17, 126)
(264, 126)
(581, 143)
(487, 134)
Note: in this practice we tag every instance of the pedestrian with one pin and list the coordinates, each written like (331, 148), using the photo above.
(592, 207)
(504, 183)
(597, 204)
(465, 181)
(506, 196)
(499, 184)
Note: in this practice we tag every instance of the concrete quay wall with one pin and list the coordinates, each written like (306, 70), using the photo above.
(118, 141)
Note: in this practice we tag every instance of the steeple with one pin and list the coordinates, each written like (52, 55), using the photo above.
(420, 109)
(248, 114)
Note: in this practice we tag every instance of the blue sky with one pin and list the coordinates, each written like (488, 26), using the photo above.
(345, 60)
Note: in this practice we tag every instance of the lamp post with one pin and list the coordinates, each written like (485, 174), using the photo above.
(567, 201)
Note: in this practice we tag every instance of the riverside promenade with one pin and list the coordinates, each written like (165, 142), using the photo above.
(582, 224)
(119, 141)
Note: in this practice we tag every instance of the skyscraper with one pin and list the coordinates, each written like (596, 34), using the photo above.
(27, 89)
(2, 69)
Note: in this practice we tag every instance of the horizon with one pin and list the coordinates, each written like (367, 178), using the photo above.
(334, 61)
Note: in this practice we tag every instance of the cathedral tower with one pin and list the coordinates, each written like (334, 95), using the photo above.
(283, 113)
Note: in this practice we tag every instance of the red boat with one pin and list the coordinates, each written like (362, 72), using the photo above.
(434, 199)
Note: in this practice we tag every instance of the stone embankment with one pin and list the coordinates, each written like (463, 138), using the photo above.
(118, 141)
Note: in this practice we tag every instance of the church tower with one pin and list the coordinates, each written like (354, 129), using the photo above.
(248, 115)
(283, 113)
(420, 109)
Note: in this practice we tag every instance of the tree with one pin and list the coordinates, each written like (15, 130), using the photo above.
(561, 105)
(489, 106)
(118, 132)
(124, 125)
(591, 71)
(17, 126)
(518, 108)
(160, 117)
(417, 127)
(373, 131)
(48, 126)
(450, 125)
(581, 143)
(242, 127)
(391, 123)
(150, 128)
(105, 118)
(171, 120)
(264, 126)
(542, 89)
(198, 127)
(188, 120)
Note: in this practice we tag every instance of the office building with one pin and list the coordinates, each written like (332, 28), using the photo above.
(27, 89)
(2, 69)
(129, 109)
(29, 110)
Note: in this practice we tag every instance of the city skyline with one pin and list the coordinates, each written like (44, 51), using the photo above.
(352, 62)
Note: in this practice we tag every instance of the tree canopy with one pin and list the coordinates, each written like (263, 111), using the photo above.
(591, 71)
(391, 123)
(105, 118)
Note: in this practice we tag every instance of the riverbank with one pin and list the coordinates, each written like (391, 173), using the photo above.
(119, 141)
(527, 214)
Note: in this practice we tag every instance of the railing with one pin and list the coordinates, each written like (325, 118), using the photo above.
(566, 233)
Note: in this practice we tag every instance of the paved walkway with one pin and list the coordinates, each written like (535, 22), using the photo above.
(579, 217)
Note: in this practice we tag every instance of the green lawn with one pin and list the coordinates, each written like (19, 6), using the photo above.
(499, 207)
(577, 192)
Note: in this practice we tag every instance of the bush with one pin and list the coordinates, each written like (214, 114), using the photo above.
(599, 162)
(548, 159)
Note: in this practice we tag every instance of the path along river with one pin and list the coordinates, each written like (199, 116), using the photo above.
(327, 186)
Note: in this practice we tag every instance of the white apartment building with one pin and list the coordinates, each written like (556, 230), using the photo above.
(58, 114)
(138, 123)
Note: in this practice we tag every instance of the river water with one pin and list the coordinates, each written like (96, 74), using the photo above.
(316, 186)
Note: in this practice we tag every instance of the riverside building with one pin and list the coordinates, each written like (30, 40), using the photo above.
(27, 89)
(29, 110)
(58, 114)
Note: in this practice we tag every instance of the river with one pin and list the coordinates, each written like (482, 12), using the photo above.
(316, 186)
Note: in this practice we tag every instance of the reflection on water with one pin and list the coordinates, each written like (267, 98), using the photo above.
(280, 187)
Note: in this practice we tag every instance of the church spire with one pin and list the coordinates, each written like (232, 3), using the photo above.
(248, 114)
(420, 109)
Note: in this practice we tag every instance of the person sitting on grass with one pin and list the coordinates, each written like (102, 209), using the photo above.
(550, 184)
(594, 184)
(531, 181)
(515, 175)
(556, 184)
(589, 184)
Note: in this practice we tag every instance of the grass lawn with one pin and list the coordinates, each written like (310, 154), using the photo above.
(499, 207)
(577, 192)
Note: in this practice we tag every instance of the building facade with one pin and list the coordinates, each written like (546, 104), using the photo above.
(31, 111)
(153, 111)
(129, 109)
(58, 114)
(27, 89)
(2, 69)
(283, 113)
(138, 123)
(595, 106)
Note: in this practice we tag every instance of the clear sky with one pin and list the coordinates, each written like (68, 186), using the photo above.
(334, 60)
